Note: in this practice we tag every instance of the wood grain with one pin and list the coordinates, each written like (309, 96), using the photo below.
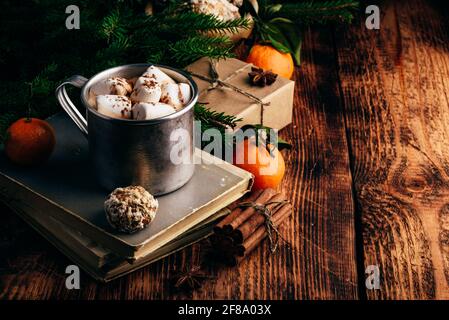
(322, 180)
(321, 262)
(394, 82)
(370, 162)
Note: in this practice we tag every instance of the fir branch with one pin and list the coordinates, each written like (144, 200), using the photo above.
(112, 27)
(175, 6)
(187, 50)
(310, 12)
(157, 38)
(220, 121)
(150, 47)
(156, 56)
(121, 44)
(193, 22)
(42, 85)
(213, 119)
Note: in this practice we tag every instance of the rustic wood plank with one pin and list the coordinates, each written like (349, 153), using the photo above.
(321, 263)
(322, 179)
(395, 83)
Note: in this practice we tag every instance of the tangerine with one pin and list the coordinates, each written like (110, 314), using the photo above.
(268, 167)
(29, 141)
(268, 58)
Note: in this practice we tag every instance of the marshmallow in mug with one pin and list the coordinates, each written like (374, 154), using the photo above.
(177, 94)
(157, 75)
(115, 85)
(149, 92)
(114, 106)
(155, 95)
(148, 111)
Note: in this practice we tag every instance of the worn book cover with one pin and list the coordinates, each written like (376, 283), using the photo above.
(65, 189)
(99, 262)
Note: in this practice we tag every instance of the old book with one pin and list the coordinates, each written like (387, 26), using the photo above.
(93, 253)
(100, 263)
(64, 189)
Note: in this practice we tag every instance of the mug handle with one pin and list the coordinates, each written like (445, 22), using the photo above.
(67, 104)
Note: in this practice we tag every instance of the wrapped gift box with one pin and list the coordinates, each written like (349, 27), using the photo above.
(279, 95)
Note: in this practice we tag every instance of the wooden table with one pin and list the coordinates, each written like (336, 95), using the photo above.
(368, 177)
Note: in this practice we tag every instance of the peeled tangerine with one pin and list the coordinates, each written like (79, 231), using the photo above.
(148, 111)
(114, 106)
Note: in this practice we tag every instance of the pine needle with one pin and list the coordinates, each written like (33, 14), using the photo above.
(42, 84)
(190, 22)
(213, 119)
(310, 12)
(116, 32)
(188, 50)
(113, 27)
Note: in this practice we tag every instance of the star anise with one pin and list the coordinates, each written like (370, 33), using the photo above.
(190, 278)
(262, 78)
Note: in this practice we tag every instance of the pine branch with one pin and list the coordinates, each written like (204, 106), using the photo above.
(116, 32)
(175, 6)
(193, 22)
(190, 49)
(42, 85)
(149, 47)
(157, 38)
(213, 119)
(216, 120)
(112, 27)
(310, 12)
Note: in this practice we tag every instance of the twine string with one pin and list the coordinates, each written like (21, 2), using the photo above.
(216, 82)
(272, 231)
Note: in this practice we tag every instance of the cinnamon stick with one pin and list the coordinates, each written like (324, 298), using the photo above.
(235, 212)
(266, 195)
(256, 220)
(256, 238)
(231, 253)
(243, 229)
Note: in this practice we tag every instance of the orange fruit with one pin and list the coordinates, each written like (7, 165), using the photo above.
(29, 141)
(268, 58)
(268, 168)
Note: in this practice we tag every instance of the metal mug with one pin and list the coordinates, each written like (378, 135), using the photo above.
(126, 152)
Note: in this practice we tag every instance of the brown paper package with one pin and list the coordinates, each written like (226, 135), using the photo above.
(277, 115)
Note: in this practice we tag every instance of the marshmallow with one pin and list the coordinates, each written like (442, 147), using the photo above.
(114, 106)
(158, 75)
(144, 81)
(149, 92)
(116, 86)
(176, 95)
(147, 111)
(132, 81)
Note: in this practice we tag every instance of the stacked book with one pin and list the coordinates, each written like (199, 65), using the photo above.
(62, 202)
